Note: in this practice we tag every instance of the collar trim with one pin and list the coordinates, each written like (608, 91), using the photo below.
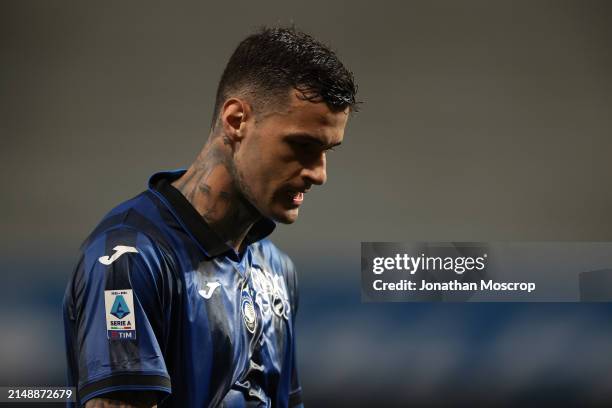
(194, 223)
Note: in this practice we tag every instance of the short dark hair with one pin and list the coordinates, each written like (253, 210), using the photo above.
(268, 63)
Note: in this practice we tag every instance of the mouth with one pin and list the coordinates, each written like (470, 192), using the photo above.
(296, 197)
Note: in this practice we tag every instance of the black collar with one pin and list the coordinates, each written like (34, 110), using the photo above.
(194, 223)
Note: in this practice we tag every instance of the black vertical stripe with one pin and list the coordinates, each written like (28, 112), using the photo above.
(77, 348)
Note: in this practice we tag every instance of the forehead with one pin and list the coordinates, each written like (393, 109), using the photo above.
(314, 118)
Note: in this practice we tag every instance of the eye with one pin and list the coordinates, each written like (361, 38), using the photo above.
(303, 146)
(300, 143)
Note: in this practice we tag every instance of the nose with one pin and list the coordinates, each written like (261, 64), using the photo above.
(316, 172)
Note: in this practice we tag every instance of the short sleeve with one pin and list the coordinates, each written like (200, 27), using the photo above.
(114, 314)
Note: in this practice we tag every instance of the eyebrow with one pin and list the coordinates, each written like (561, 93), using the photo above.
(311, 138)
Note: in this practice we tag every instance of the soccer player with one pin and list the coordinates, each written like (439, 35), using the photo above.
(178, 298)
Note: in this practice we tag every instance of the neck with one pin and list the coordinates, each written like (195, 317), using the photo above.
(209, 185)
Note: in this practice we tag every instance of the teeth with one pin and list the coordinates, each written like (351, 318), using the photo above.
(296, 194)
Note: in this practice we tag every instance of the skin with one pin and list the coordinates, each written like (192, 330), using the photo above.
(251, 166)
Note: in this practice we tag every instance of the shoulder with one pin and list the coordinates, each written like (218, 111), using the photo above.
(120, 258)
(122, 253)
(125, 248)
(134, 226)
(139, 214)
(123, 244)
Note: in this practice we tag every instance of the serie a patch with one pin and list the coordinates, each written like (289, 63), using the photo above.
(120, 316)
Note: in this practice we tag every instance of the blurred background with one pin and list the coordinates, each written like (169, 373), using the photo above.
(481, 121)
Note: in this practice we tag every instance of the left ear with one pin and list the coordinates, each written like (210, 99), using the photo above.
(234, 115)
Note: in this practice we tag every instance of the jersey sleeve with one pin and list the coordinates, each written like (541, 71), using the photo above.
(114, 312)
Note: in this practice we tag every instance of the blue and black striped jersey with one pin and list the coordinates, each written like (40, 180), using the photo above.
(158, 302)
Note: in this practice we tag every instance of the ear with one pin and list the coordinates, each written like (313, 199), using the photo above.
(234, 115)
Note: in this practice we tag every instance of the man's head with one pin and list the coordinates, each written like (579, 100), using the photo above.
(283, 101)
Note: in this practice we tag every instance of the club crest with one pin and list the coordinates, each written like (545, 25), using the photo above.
(249, 316)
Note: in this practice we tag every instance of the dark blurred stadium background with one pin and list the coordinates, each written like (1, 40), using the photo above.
(482, 121)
